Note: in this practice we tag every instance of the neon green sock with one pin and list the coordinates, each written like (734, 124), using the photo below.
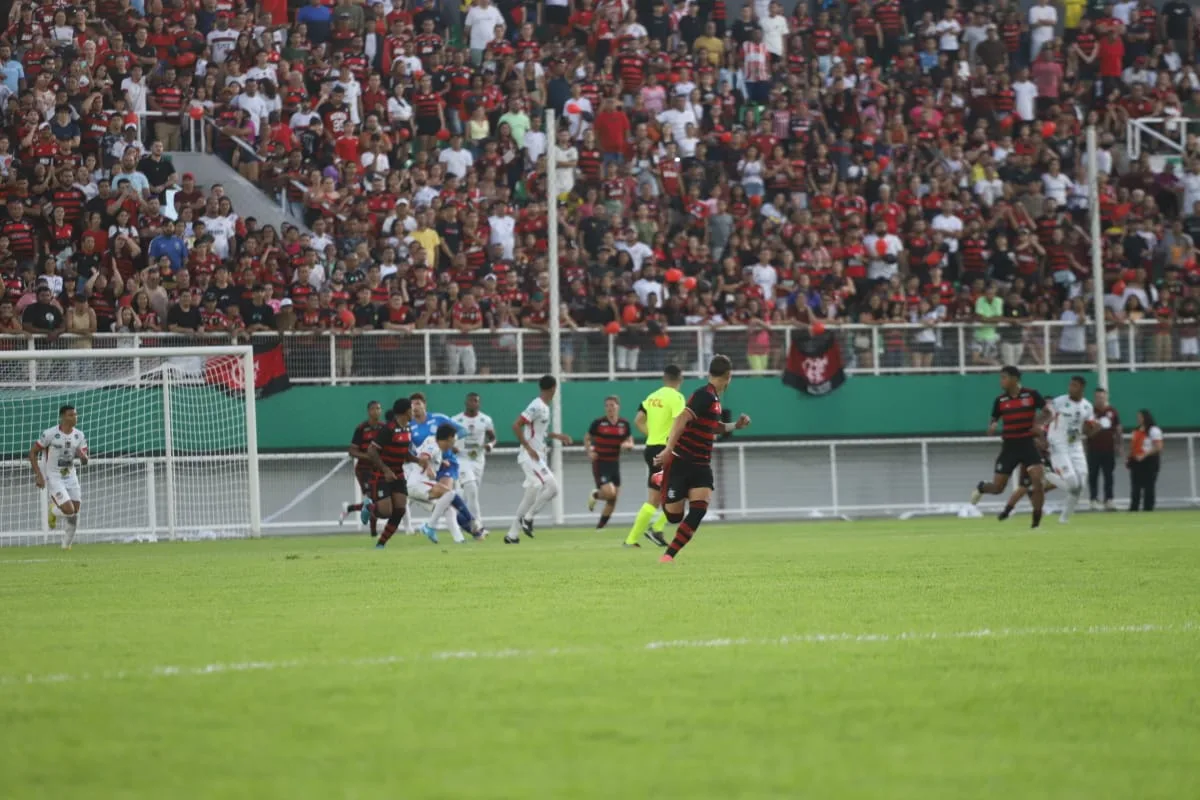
(660, 522)
(641, 523)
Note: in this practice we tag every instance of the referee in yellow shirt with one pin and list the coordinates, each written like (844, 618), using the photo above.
(654, 419)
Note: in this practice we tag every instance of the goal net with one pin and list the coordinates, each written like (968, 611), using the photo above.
(172, 453)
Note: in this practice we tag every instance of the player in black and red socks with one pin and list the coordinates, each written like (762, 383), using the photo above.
(687, 458)
(364, 471)
(604, 441)
(389, 452)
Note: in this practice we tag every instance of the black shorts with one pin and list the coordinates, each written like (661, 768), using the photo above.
(651, 453)
(388, 488)
(1027, 481)
(606, 472)
(428, 126)
(682, 476)
(1017, 453)
(555, 15)
(370, 485)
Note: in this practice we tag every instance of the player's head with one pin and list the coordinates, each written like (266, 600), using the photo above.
(1010, 377)
(720, 372)
(612, 405)
(547, 384)
(1076, 386)
(67, 416)
(401, 411)
(447, 436)
(374, 411)
(672, 376)
(1101, 398)
(418, 404)
(471, 404)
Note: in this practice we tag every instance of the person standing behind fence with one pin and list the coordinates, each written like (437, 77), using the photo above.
(1145, 453)
(1103, 450)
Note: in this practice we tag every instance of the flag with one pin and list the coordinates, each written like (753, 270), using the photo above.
(270, 370)
(814, 364)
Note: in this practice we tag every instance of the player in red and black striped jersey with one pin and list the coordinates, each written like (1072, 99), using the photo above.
(388, 452)
(604, 441)
(687, 458)
(364, 471)
(1020, 412)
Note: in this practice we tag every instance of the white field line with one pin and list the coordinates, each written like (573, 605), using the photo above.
(219, 668)
(28, 560)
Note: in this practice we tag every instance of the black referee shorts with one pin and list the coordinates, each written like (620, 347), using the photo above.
(1017, 453)
(651, 453)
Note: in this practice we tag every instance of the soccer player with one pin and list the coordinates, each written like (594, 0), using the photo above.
(364, 471)
(1021, 411)
(390, 452)
(687, 457)
(1049, 480)
(52, 458)
(654, 419)
(424, 425)
(434, 484)
(473, 446)
(604, 441)
(532, 429)
(1074, 420)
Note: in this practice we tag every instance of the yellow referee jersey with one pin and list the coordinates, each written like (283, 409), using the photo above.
(661, 408)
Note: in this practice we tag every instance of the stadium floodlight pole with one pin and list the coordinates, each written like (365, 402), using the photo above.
(1097, 259)
(556, 459)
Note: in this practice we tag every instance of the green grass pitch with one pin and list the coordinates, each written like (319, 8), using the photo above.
(937, 658)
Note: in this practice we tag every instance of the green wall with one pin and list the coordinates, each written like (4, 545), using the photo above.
(321, 417)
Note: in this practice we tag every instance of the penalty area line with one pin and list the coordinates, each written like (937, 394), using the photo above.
(233, 667)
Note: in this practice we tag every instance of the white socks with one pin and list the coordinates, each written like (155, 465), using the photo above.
(72, 526)
(439, 507)
(545, 494)
(523, 508)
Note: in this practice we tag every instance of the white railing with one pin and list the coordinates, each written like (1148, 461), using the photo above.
(1166, 136)
(325, 357)
(785, 480)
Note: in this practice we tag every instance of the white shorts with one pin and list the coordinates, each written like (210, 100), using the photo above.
(470, 471)
(419, 486)
(537, 473)
(1070, 463)
(63, 488)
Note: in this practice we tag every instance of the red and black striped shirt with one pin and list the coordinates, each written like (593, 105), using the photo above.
(705, 424)
(427, 104)
(364, 434)
(1017, 413)
(394, 443)
(607, 437)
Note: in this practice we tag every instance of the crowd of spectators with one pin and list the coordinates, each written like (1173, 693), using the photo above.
(869, 161)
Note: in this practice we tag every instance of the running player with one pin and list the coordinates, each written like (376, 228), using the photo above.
(473, 446)
(390, 452)
(604, 441)
(434, 485)
(53, 458)
(364, 471)
(532, 429)
(424, 425)
(687, 458)
(1074, 420)
(1049, 479)
(654, 419)
(1022, 411)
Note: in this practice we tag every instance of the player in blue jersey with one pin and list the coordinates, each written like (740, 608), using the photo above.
(424, 426)
(434, 483)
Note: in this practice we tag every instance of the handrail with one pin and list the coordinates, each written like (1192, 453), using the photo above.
(1136, 127)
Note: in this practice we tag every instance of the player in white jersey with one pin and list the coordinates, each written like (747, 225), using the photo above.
(476, 441)
(53, 458)
(532, 429)
(1074, 420)
(434, 482)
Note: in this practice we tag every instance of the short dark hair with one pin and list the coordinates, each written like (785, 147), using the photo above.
(415, 396)
(372, 403)
(547, 382)
(1010, 371)
(64, 409)
(471, 394)
(720, 366)
(402, 406)
(614, 398)
(672, 372)
(445, 431)
(1082, 381)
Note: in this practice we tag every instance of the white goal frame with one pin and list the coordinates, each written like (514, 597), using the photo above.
(169, 527)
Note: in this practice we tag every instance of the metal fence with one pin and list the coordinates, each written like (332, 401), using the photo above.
(304, 492)
(328, 357)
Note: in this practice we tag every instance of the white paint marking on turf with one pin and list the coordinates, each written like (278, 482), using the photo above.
(219, 668)
(27, 560)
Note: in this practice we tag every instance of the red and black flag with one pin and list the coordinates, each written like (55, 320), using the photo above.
(270, 370)
(814, 364)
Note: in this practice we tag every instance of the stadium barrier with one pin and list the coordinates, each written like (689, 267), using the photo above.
(519, 354)
(302, 493)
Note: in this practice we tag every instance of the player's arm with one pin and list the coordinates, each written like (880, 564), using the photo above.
(373, 455)
(356, 450)
(991, 428)
(743, 421)
(677, 428)
(587, 441)
(35, 454)
(83, 453)
(518, 429)
(639, 421)
(489, 438)
(1047, 411)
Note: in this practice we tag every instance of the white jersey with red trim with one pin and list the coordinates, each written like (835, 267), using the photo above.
(536, 419)
(60, 449)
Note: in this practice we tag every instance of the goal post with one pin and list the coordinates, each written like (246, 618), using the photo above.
(171, 431)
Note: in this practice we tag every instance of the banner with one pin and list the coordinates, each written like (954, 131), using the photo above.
(270, 370)
(814, 364)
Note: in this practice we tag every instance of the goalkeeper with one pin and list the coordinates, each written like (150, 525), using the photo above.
(654, 419)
